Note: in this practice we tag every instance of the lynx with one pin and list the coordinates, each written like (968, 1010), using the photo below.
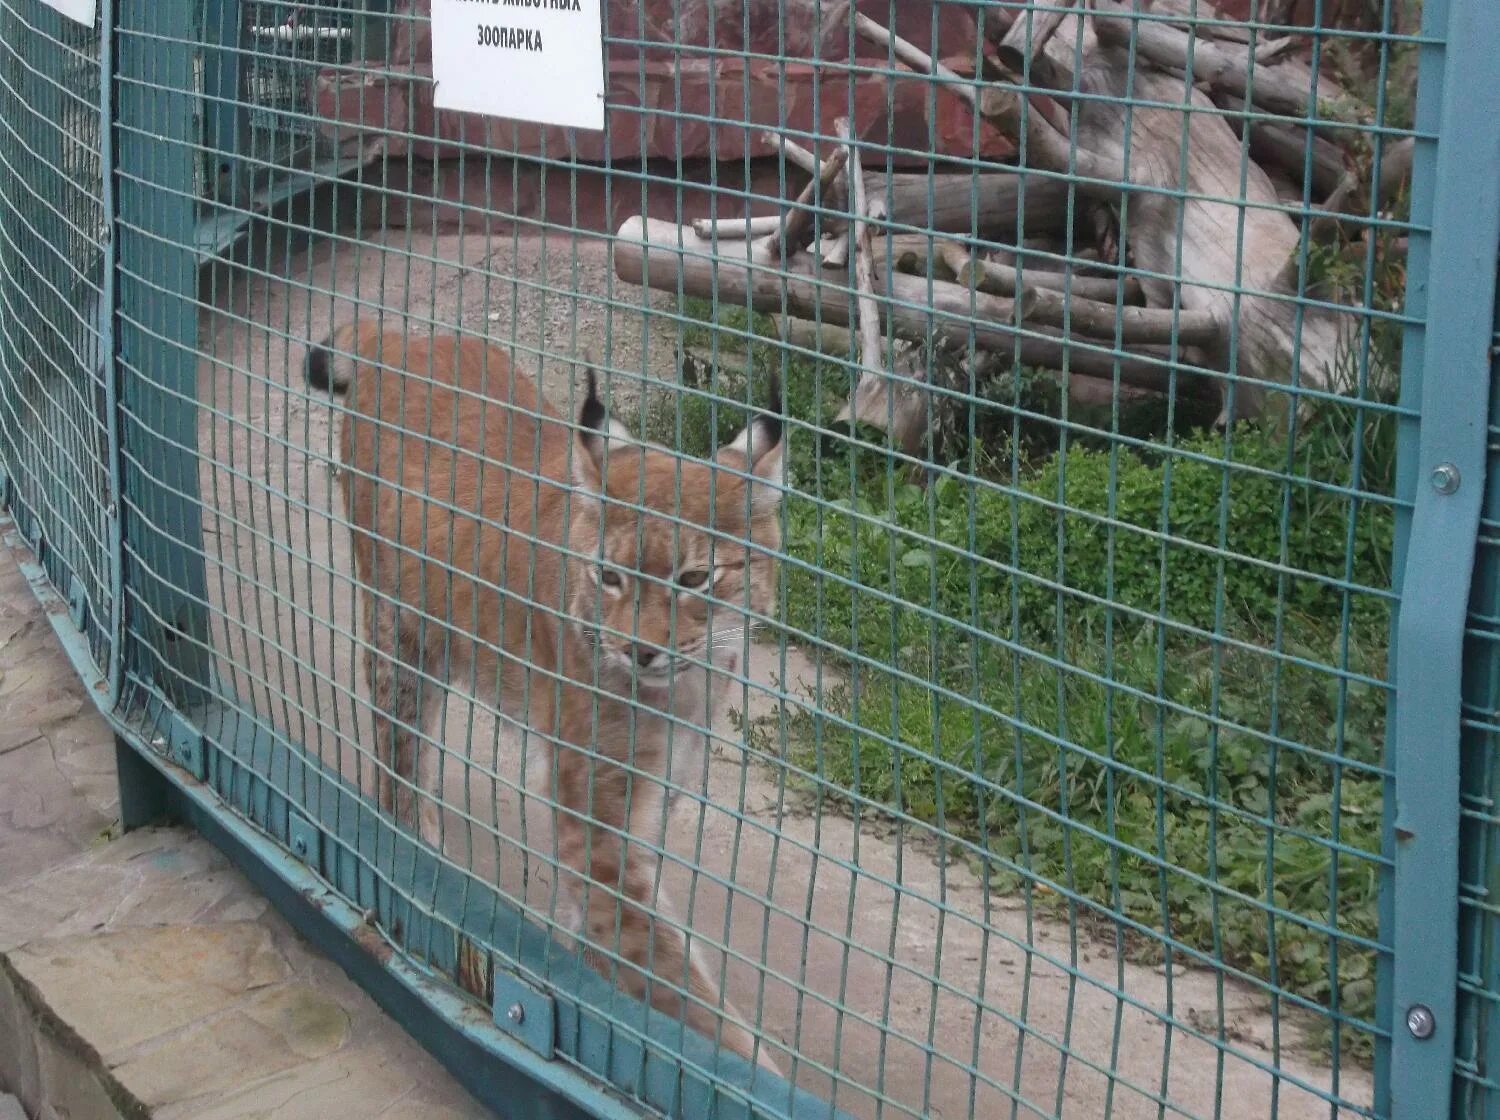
(605, 584)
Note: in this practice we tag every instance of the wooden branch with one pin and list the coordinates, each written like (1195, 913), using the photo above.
(736, 229)
(914, 57)
(1220, 68)
(793, 152)
(665, 255)
(920, 254)
(915, 254)
(1085, 304)
(1347, 202)
(1323, 228)
(800, 215)
(1136, 325)
(948, 202)
(986, 206)
(1098, 176)
(1004, 280)
(834, 252)
(877, 399)
(1028, 35)
(1206, 19)
(1273, 50)
(1224, 247)
(1045, 143)
(820, 338)
(1395, 171)
(1285, 146)
(860, 248)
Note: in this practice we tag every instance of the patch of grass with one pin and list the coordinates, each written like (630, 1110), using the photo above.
(1188, 787)
(1133, 668)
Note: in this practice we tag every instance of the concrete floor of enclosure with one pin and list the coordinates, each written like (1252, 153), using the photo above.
(1068, 1024)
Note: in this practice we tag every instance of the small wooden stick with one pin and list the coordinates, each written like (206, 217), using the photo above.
(1269, 50)
(1137, 325)
(914, 56)
(820, 338)
(793, 151)
(736, 229)
(1286, 147)
(834, 252)
(877, 398)
(860, 248)
(1100, 175)
(799, 216)
(1003, 280)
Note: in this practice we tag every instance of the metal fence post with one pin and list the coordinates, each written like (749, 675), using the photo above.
(1446, 373)
(1477, 1056)
(157, 270)
(226, 116)
(108, 357)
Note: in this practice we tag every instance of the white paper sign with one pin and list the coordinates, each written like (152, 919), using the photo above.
(84, 11)
(527, 60)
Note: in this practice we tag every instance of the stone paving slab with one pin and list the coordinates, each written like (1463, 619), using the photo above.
(141, 975)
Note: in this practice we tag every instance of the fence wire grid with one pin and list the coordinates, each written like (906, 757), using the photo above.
(871, 587)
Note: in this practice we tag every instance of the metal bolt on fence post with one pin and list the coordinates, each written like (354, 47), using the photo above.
(1445, 478)
(516, 1014)
(1419, 1021)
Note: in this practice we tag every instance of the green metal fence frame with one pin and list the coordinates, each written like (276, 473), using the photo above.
(1444, 472)
(157, 675)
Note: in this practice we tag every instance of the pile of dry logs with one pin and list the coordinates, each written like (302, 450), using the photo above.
(1140, 232)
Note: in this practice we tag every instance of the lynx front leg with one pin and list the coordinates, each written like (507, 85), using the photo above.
(610, 881)
(404, 700)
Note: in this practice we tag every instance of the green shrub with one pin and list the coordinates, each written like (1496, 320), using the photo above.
(1202, 535)
(1129, 667)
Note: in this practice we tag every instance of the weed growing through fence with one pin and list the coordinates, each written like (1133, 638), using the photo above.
(1137, 671)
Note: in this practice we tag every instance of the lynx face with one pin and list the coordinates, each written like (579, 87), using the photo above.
(675, 559)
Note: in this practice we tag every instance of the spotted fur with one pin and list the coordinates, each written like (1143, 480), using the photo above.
(597, 576)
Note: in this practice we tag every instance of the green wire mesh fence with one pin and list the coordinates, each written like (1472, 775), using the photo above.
(945, 660)
(52, 419)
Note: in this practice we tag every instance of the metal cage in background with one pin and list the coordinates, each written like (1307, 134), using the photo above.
(1116, 737)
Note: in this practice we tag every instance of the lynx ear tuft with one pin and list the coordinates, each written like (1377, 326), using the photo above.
(762, 446)
(593, 430)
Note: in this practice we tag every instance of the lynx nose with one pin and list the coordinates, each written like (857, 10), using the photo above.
(644, 655)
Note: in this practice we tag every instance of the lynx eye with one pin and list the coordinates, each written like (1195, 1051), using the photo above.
(611, 578)
(693, 579)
